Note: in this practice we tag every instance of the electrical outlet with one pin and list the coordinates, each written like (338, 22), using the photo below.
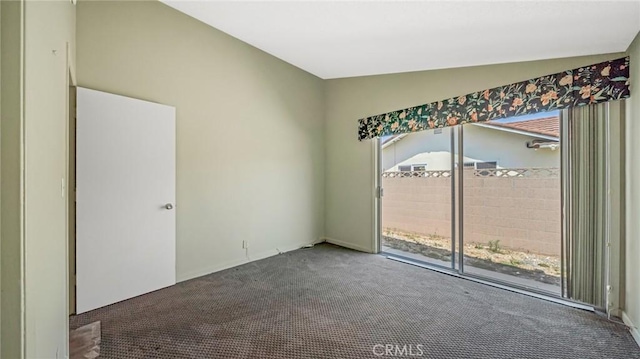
(245, 244)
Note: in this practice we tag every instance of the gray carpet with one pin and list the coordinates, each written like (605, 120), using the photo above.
(330, 302)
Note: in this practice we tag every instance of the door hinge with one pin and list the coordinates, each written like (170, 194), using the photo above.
(379, 192)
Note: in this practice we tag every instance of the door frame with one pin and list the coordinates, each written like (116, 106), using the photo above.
(70, 85)
(378, 193)
(71, 200)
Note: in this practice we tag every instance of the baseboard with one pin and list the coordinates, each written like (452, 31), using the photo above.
(340, 243)
(632, 328)
(234, 263)
(616, 312)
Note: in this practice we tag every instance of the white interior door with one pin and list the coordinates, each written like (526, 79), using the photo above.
(125, 193)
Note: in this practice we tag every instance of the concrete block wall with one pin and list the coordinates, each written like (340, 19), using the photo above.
(521, 212)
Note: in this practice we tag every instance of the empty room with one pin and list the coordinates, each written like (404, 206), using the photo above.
(319, 179)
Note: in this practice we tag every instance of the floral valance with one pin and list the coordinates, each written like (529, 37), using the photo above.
(596, 83)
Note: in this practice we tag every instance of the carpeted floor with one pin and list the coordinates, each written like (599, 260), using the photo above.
(330, 302)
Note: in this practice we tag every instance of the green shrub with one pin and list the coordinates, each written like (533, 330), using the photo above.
(494, 246)
(515, 262)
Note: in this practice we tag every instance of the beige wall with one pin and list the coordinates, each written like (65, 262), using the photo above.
(0, 180)
(250, 142)
(11, 13)
(49, 31)
(35, 73)
(632, 238)
(349, 209)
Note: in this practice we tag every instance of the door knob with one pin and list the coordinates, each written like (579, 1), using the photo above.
(168, 206)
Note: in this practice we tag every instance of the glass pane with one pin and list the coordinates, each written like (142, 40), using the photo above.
(416, 206)
(512, 201)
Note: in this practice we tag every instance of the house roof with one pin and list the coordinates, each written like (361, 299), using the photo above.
(546, 126)
(389, 140)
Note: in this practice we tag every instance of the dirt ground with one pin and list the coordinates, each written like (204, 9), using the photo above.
(491, 256)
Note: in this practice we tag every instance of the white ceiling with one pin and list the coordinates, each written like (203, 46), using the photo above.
(333, 39)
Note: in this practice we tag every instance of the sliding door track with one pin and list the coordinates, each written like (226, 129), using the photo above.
(495, 284)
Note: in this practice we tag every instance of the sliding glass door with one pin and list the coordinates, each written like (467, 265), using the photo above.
(522, 201)
(417, 203)
(512, 201)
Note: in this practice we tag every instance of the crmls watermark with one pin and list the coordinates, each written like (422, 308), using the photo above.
(396, 350)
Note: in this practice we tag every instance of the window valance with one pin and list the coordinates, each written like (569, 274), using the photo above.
(596, 83)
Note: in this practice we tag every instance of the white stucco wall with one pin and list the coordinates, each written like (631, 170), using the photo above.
(480, 143)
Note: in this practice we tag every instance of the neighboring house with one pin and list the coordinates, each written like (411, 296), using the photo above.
(509, 143)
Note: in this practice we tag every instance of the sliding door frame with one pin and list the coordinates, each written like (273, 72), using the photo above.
(453, 200)
(565, 184)
(378, 193)
(460, 204)
(457, 220)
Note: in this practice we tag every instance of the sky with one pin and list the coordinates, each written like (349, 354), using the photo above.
(517, 118)
(528, 117)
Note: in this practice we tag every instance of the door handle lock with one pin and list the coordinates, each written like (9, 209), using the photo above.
(168, 206)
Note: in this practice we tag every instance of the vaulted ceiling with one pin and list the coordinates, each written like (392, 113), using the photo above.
(334, 39)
